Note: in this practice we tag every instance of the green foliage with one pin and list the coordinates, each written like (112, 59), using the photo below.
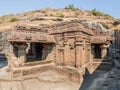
(107, 16)
(72, 7)
(61, 15)
(13, 19)
(96, 13)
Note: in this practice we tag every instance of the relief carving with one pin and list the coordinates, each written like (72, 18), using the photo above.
(71, 43)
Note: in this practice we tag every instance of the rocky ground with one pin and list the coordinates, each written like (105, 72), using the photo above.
(112, 81)
(94, 81)
(48, 80)
(106, 80)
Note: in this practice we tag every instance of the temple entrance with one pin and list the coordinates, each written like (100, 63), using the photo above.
(97, 51)
(35, 52)
(38, 51)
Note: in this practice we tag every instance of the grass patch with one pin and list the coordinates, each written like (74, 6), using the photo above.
(107, 16)
(51, 15)
(61, 15)
(13, 19)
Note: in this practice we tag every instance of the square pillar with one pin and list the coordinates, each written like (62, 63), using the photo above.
(103, 51)
(21, 53)
(69, 54)
(78, 54)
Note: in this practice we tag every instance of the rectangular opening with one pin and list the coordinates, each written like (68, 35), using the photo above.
(97, 51)
(37, 51)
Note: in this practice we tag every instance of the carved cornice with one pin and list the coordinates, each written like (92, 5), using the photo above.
(101, 39)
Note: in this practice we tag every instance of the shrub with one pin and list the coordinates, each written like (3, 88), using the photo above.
(71, 6)
(107, 16)
(13, 19)
(51, 14)
(96, 13)
(61, 15)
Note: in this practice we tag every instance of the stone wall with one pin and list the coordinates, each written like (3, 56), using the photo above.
(4, 44)
(72, 49)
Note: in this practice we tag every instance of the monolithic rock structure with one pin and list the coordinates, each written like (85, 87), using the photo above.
(69, 48)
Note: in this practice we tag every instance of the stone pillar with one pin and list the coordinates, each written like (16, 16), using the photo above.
(88, 53)
(103, 51)
(60, 55)
(60, 49)
(83, 55)
(69, 54)
(78, 54)
(33, 50)
(12, 60)
(92, 52)
(21, 53)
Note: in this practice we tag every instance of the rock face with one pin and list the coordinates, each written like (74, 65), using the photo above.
(112, 81)
(4, 44)
(94, 25)
(4, 47)
(48, 80)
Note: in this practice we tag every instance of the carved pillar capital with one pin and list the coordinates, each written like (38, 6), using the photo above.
(105, 45)
(20, 46)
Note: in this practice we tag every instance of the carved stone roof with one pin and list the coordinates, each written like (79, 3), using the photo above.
(69, 26)
(100, 39)
(44, 33)
(30, 37)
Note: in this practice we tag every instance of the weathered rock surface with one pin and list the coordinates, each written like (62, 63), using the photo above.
(4, 44)
(48, 80)
(94, 25)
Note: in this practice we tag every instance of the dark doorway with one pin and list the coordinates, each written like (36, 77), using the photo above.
(97, 51)
(35, 52)
(38, 50)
